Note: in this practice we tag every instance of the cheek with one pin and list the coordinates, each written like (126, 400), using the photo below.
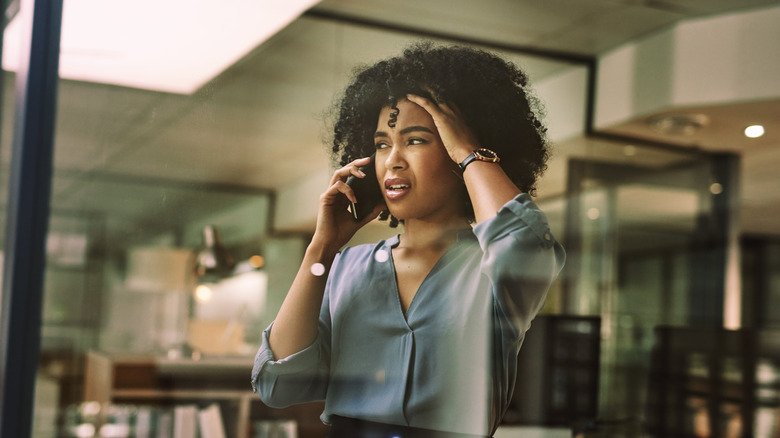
(379, 168)
(442, 179)
(443, 166)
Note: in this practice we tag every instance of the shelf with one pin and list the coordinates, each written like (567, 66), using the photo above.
(148, 380)
(141, 394)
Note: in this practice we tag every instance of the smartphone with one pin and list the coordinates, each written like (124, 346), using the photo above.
(367, 192)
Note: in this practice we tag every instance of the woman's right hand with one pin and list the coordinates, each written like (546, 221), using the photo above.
(295, 326)
(335, 225)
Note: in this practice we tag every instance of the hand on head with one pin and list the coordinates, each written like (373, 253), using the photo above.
(457, 137)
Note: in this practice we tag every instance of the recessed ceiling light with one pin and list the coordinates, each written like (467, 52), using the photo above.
(716, 188)
(754, 131)
(173, 46)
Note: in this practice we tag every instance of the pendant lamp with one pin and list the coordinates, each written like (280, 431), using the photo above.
(212, 259)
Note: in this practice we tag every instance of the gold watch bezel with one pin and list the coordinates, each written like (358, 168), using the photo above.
(478, 155)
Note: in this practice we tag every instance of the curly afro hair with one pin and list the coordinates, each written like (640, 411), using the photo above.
(491, 94)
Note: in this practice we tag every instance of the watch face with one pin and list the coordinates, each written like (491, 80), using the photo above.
(486, 154)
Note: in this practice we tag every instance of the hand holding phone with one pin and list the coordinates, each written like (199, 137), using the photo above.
(367, 191)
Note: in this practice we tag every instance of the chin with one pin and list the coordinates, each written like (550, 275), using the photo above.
(398, 213)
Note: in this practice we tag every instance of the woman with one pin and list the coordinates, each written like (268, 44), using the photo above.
(422, 329)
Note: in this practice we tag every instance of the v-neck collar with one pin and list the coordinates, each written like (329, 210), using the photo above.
(393, 242)
(463, 235)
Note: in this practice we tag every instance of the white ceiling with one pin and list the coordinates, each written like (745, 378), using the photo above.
(138, 156)
(585, 27)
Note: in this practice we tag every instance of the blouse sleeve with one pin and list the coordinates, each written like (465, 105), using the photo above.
(301, 377)
(521, 259)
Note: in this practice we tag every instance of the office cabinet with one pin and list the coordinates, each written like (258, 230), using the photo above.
(557, 372)
(714, 383)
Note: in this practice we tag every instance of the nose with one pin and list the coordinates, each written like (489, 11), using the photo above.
(395, 158)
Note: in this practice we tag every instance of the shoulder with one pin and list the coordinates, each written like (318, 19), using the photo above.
(360, 258)
(366, 250)
(357, 269)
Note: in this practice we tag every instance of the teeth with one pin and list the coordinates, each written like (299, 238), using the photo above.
(398, 187)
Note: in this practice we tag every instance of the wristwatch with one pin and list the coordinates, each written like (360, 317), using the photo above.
(481, 154)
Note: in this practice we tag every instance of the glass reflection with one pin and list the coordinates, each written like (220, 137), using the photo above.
(138, 168)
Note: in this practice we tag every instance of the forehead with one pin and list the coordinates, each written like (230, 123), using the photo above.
(409, 113)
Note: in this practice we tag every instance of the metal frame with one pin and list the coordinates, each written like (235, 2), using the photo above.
(589, 61)
(29, 190)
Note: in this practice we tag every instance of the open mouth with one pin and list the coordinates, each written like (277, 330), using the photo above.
(395, 188)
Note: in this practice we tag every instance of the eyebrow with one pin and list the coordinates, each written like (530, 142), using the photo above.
(406, 130)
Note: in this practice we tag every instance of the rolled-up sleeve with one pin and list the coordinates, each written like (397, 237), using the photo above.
(299, 378)
(521, 259)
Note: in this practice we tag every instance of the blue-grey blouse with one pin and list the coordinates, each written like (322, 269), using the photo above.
(449, 362)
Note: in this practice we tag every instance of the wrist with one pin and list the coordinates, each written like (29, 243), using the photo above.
(462, 153)
(321, 252)
(482, 154)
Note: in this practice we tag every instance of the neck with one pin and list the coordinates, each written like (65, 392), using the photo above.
(419, 234)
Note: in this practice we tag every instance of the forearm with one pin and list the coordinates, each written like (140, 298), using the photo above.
(295, 326)
(489, 188)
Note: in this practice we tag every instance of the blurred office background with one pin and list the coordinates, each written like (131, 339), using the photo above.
(182, 124)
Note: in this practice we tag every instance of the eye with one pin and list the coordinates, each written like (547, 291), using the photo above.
(381, 145)
(416, 140)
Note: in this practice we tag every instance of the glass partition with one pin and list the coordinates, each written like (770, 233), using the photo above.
(133, 335)
(175, 153)
(6, 139)
(644, 252)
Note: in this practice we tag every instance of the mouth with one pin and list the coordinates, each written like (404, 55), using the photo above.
(396, 188)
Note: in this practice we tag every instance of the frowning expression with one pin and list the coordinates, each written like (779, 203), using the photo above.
(418, 177)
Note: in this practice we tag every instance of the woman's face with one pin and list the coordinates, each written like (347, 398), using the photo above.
(413, 168)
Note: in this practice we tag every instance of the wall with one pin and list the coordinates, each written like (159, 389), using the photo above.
(712, 60)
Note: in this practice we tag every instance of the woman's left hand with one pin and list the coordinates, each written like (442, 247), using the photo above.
(457, 137)
(488, 186)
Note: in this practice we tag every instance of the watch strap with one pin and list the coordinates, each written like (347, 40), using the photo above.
(467, 161)
(477, 155)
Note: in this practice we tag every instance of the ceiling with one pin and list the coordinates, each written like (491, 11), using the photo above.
(148, 161)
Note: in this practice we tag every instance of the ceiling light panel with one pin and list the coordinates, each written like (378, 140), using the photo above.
(172, 46)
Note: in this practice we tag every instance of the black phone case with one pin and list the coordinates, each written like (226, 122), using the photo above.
(367, 192)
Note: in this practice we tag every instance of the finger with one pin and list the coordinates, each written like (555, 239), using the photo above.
(439, 112)
(332, 196)
(350, 169)
(448, 107)
(354, 167)
(342, 187)
(346, 171)
(442, 103)
(436, 98)
(426, 104)
(361, 161)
